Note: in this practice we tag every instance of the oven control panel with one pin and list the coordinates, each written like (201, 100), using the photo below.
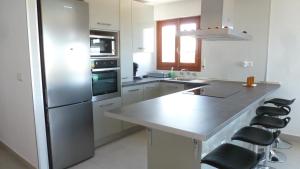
(102, 64)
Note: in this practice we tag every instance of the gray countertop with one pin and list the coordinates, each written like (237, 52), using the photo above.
(193, 116)
(142, 81)
(152, 80)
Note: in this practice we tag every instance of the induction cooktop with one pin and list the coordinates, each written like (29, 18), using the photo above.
(210, 91)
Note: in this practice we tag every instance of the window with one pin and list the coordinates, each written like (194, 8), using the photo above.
(178, 52)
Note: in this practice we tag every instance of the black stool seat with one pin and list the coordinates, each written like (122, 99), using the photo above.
(228, 156)
(280, 102)
(270, 122)
(256, 136)
(273, 111)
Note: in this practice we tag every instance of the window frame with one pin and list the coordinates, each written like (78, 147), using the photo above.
(177, 65)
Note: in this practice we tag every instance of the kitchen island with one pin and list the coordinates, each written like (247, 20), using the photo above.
(184, 126)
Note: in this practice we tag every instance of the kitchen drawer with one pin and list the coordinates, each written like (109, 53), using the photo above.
(132, 94)
(103, 126)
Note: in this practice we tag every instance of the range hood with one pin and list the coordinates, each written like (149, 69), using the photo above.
(217, 22)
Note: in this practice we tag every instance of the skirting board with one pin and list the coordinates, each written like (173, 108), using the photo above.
(5, 147)
(290, 138)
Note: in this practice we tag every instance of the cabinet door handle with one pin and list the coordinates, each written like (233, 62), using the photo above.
(103, 23)
(134, 90)
(124, 78)
(150, 87)
(172, 87)
(106, 105)
(196, 149)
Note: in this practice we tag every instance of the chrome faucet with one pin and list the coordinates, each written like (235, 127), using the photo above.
(181, 72)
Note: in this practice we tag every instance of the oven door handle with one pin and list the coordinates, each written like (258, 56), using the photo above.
(105, 69)
(103, 37)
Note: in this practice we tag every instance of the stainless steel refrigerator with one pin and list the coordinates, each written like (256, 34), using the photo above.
(64, 38)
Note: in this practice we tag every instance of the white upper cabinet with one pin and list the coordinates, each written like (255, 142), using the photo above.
(143, 27)
(104, 14)
(126, 50)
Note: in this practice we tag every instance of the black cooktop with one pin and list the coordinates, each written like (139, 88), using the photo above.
(213, 91)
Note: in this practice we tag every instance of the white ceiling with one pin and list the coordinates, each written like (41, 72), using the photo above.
(155, 2)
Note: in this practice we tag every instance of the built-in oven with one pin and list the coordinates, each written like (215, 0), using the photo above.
(103, 44)
(106, 79)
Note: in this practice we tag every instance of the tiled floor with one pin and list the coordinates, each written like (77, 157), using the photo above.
(8, 160)
(293, 157)
(127, 153)
(130, 153)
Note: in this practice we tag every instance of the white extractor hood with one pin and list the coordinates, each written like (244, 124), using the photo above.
(217, 22)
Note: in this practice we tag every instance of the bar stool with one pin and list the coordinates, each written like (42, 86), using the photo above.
(229, 156)
(258, 137)
(272, 123)
(273, 111)
(279, 102)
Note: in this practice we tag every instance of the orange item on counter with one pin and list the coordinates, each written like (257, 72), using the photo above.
(250, 81)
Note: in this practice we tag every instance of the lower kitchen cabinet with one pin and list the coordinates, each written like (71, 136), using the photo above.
(151, 91)
(105, 127)
(138, 93)
(169, 88)
(131, 95)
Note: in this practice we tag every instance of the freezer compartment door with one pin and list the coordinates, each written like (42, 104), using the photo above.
(65, 39)
(70, 134)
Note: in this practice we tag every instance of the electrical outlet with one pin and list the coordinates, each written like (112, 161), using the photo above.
(20, 77)
(247, 64)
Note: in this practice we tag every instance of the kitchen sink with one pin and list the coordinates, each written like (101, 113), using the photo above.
(182, 79)
(190, 83)
(189, 80)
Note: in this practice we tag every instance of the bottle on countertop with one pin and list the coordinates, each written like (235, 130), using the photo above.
(172, 74)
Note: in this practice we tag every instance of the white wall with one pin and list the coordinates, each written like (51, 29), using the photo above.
(223, 59)
(284, 55)
(143, 34)
(179, 9)
(17, 128)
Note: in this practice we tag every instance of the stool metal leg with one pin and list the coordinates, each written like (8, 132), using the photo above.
(277, 157)
(263, 163)
(282, 144)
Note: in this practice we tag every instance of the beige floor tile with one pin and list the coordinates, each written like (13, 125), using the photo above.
(131, 153)
(9, 161)
(293, 158)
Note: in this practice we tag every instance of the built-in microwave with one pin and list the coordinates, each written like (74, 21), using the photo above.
(103, 44)
(106, 79)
